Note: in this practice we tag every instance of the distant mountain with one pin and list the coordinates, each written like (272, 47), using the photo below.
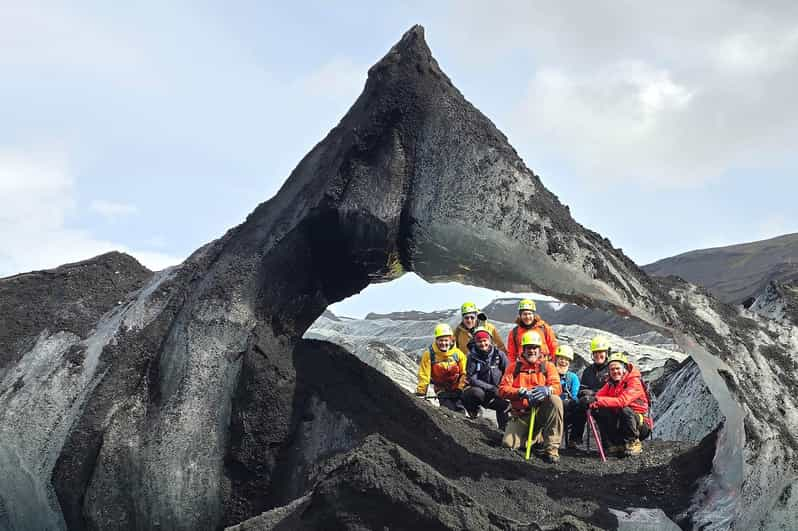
(554, 312)
(735, 274)
(413, 315)
(505, 310)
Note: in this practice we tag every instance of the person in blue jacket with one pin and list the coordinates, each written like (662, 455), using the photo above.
(485, 367)
(569, 382)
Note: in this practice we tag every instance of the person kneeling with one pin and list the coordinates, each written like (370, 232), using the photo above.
(569, 382)
(621, 407)
(484, 370)
(533, 383)
(444, 366)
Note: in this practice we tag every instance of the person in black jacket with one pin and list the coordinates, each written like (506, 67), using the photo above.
(484, 370)
(593, 378)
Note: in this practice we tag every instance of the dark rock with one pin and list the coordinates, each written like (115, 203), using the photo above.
(70, 298)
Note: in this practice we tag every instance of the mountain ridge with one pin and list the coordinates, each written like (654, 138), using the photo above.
(734, 273)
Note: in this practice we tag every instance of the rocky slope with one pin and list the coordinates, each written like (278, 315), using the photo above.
(195, 403)
(735, 273)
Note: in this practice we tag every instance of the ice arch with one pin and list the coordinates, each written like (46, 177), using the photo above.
(178, 419)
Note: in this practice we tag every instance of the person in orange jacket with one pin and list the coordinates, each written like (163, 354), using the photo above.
(443, 365)
(528, 320)
(533, 382)
(621, 407)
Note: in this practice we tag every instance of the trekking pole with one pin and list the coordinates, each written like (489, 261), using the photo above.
(531, 429)
(596, 435)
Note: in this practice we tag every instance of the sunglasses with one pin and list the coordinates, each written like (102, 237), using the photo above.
(469, 317)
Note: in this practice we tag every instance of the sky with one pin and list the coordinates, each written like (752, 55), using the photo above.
(153, 127)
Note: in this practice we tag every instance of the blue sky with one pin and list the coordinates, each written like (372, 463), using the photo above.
(153, 128)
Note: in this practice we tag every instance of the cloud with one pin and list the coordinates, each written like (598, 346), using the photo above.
(111, 209)
(36, 198)
(673, 95)
(65, 39)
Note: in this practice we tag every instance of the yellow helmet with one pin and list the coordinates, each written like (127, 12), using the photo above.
(564, 351)
(531, 338)
(468, 307)
(443, 330)
(618, 356)
(599, 343)
(526, 304)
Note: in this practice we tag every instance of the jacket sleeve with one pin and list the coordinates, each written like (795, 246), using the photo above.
(574, 384)
(423, 374)
(511, 351)
(506, 388)
(630, 393)
(462, 361)
(551, 340)
(461, 338)
(497, 339)
(553, 379)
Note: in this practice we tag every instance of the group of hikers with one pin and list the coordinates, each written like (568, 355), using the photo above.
(527, 383)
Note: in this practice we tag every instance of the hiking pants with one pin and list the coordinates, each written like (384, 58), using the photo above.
(451, 400)
(570, 414)
(578, 420)
(620, 426)
(547, 429)
(473, 397)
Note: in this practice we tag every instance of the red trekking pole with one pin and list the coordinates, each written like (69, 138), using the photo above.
(596, 435)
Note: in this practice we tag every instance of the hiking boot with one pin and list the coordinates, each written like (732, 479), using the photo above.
(551, 455)
(477, 413)
(634, 447)
(573, 443)
(615, 449)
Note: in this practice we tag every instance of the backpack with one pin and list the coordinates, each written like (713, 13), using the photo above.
(493, 362)
(517, 368)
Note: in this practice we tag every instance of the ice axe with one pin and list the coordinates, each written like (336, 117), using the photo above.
(531, 429)
(596, 436)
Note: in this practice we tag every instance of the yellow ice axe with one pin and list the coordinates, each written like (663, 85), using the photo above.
(531, 429)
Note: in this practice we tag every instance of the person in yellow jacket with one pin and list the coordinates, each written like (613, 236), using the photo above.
(444, 366)
(472, 317)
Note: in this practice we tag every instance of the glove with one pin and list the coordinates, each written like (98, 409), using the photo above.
(585, 392)
(587, 401)
(539, 393)
(594, 404)
(523, 393)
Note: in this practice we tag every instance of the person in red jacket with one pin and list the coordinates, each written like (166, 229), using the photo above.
(526, 321)
(621, 407)
(533, 382)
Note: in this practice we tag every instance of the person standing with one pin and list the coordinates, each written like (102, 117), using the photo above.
(471, 319)
(526, 321)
